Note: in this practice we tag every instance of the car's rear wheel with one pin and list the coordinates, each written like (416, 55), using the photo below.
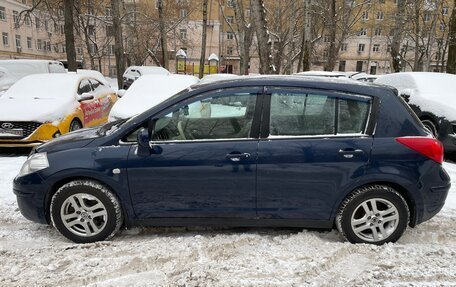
(85, 211)
(428, 124)
(75, 125)
(374, 214)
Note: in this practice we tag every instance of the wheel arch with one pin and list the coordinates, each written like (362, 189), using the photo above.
(66, 180)
(404, 192)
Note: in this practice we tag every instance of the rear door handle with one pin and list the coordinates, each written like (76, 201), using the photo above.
(350, 153)
(237, 156)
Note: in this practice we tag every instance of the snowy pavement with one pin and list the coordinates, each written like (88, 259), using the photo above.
(36, 255)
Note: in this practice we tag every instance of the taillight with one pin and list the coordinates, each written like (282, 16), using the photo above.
(427, 146)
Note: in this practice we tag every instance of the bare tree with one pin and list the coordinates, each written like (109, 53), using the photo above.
(261, 28)
(163, 35)
(399, 23)
(69, 35)
(203, 40)
(118, 48)
(451, 64)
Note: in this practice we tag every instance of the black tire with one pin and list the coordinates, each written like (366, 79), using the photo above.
(353, 212)
(97, 217)
(428, 124)
(75, 125)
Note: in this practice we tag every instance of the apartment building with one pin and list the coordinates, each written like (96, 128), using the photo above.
(37, 36)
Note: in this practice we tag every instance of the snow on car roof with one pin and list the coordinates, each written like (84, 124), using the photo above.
(431, 91)
(46, 86)
(149, 90)
(146, 70)
(321, 74)
(217, 77)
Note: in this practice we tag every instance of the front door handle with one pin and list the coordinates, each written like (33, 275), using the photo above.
(237, 156)
(350, 153)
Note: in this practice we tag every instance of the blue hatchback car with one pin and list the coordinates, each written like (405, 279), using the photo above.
(263, 151)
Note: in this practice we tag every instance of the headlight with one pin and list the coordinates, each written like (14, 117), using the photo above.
(35, 162)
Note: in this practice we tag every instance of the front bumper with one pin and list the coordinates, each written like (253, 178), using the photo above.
(43, 133)
(30, 192)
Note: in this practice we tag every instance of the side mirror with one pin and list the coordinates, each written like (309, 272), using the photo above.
(144, 137)
(85, 97)
(121, 93)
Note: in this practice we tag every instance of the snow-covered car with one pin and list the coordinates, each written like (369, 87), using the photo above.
(363, 77)
(148, 91)
(134, 72)
(94, 74)
(6, 80)
(40, 107)
(217, 77)
(17, 69)
(432, 97)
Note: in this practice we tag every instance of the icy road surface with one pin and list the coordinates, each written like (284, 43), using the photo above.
(36, 255)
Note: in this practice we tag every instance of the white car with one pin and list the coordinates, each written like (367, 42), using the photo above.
(17, 69)
(148, 91)
(38, 108)
(134, 72)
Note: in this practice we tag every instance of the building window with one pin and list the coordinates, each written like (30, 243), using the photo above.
(111, 49)
(342, 65)
(46, 25)
(47, 45)
(445, 11)
(343, 47)
(427, 17)
(29, 42)
(363, 32)
(27, 20)
(365, 15)
(378, 32)
(230, 3)
(109, 31)
(388, 48)
(92, 49)
(2, 13)
(230, 35)
(380, 15)
(16, 19)
(18, 41)
(5, 39)
(247, 13)
(37, 23)
(230, 19)
(229, 50)
(183, 34)
(183, 13)
(79, 50)
(361, 47)
(108, 12)
(359, 66)
(91, 30)
(39, 44)
(376, 48)
(326, 39)
(442, 27)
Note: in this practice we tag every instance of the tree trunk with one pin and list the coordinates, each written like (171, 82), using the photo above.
(416, 61)
(397, 37)
(451, 64)
(163, 36)
(69, 35)
(332, 58)
(118, 43)
(203, 40)
(261, 28)
(244, 40)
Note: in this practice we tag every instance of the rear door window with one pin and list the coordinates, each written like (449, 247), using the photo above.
(297, 113)
(84, 87)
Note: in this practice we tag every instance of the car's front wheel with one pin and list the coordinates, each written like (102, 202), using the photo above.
(375, 214)
(86, 211)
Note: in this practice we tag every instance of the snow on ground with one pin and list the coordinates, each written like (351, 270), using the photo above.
(36, 255)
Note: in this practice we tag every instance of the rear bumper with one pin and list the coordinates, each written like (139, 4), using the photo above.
(433, 197)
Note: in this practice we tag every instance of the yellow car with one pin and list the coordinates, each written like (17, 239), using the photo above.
(40, 107)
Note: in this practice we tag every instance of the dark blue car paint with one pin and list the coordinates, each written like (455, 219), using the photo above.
(298, 182)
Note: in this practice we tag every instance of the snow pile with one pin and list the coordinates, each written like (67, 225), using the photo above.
(36, 255)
